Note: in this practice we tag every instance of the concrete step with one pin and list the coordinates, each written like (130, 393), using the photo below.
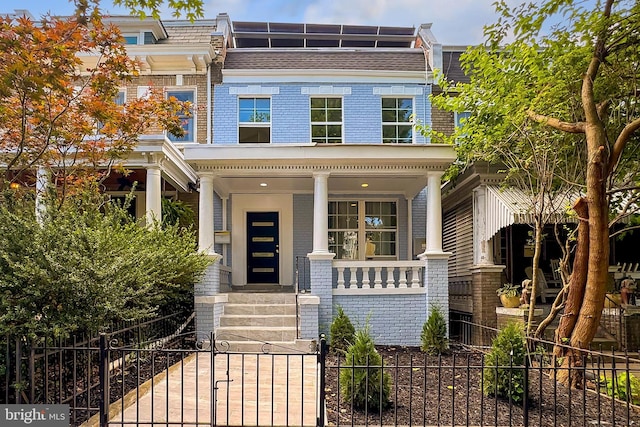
(256, 333)
(285, 347)
(261, 298)
(259, 309)
(288, 320)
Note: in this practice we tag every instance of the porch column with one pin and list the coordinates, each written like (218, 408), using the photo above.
(320, 260)
(434, 213)
(209, 303)
(154, 194)
(482, 248)
(320, 212)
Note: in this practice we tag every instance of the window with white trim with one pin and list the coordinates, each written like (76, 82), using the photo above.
(397, 127)
(254, 120)
(362, 229)
(460, 118)
(326, 120)
(188, 121)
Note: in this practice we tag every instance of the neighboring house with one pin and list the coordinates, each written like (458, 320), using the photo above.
(308, 172)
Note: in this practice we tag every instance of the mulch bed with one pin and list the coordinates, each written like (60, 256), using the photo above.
(447, 390)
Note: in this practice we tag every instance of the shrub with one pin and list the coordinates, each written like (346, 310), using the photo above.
(624, 387)
(434, 333)
(342, 331)
(507, 350)
(365, 387)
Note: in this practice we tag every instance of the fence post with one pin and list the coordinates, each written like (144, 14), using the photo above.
(322, 362)
(104, 380)
(525, 386)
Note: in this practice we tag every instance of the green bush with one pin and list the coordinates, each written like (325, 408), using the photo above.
(434, 333)
(507, 350)
(342, 331)
(365, 387)
(624, 387)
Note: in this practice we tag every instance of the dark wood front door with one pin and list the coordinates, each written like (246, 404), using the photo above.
(262, 247)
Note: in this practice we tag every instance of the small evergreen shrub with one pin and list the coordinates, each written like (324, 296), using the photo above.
(624, 387)
(342, 331)
(507, 350)
(365, 387)
(434, 333)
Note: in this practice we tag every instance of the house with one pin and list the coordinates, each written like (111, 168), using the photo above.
(302, 163)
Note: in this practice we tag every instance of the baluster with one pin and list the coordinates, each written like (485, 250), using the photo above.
(391, 281)
(353, 279)
(340, 277)
(415, 277)
(365, 278)
(403, 277)
(377, 281)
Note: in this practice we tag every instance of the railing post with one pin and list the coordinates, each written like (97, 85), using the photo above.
(104, 381)
(525, 386)
(322, 361)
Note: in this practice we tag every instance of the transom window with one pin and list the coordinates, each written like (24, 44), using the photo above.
(188, 121)
(326, 120)
(254, 120)
(360, 229)
(396, 120)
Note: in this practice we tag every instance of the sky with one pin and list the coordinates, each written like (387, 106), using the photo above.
(458, 22)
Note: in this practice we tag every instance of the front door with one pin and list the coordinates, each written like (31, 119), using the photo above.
(262, 247)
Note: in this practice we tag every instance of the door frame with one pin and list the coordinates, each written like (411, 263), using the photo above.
(243, 203)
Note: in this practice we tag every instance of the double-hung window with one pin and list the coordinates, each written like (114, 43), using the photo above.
(254, 120)
(397, 127)
(362, 229)
(188, 121)
(326, 120)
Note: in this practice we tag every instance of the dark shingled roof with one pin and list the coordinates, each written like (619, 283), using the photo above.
(400, 60)
(451, 66)
(181, 33)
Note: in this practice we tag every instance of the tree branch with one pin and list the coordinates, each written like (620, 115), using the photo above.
(620, 143)
(578, 127)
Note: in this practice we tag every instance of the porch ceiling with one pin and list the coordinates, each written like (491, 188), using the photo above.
(289, 168)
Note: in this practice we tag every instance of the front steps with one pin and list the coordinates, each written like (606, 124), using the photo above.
(260, 322)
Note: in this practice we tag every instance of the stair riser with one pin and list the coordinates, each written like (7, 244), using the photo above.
(260, 310)
(277, 321)
(261, 298)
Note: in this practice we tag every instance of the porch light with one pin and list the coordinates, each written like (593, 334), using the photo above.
(364, 185)
(14, 185)
(263, 184)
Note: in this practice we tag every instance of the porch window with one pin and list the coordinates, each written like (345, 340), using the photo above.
(326, 120)
(396, 120)
(188, 122)
(254, 121)
(360, 229)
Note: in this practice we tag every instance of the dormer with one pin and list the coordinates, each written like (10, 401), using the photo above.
(138, 31)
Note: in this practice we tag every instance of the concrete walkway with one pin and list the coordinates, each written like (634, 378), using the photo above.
(252, 390)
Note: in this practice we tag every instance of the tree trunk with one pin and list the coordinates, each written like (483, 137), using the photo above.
(534, 271)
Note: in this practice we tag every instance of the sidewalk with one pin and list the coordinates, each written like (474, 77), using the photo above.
(262, 389)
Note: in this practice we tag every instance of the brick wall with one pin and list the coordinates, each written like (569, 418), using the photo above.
(442, 121)
(436, 282)
(321, 286)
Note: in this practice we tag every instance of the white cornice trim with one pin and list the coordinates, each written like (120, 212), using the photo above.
(311, 75)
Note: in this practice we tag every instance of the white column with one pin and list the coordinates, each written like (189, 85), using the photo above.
(434, 213)
(482, 249)
(205, 216)
(42, 184)
(320, 213)
(154, 194)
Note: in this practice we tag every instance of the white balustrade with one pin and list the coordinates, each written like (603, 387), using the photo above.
(399, 274)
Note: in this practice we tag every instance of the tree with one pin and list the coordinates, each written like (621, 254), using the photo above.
(192, 9)
(58, 114)
(571, 73)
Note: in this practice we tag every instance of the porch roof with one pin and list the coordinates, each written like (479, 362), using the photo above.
(387, 169)
(507, 206)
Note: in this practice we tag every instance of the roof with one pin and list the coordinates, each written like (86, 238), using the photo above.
(451, 66)
(185, 32)
(300, 59)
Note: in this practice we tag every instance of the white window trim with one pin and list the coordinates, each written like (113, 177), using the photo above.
(139, 35)
(362, 229)
(456, 118)
(194, 109)
(311, 123)
(411, 122)
(255, 124)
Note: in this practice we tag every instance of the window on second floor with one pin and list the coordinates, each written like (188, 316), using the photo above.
(254, 120)
(326, 120)
(460, 118)
(396, 120)
(188, 122)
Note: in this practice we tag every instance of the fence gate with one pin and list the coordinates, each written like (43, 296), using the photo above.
(210, 385)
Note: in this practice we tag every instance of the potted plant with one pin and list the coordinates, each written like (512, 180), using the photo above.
(509, 295)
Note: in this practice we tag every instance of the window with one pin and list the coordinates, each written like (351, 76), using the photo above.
(254, 120)
(188, 122)
(396, 120)
(460, 118)
(352, 222)
(326, 120)
(130, 39)
(119, 100)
